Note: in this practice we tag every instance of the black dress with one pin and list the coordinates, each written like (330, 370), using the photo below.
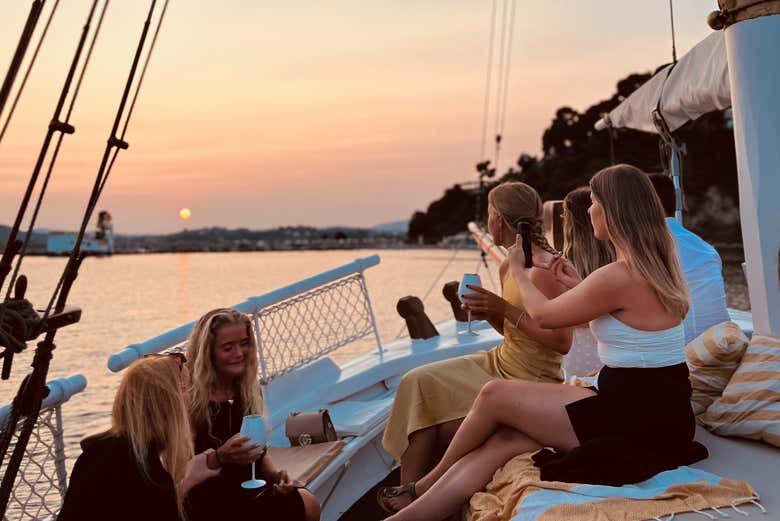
(222, 497)
(106, 483)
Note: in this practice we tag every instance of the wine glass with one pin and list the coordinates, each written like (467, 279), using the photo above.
(470, 279)
(254, 426)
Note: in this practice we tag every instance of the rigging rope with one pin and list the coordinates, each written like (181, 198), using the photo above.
(499, 87)
(53, 159)
(28, 400)
(671, 16)
(507, 67)
(113, 143)
(486, 108)
(55, 126)
(29, 69)
(21, 49)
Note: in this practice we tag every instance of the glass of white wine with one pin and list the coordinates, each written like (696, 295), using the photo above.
(469, 279)
(255, 427)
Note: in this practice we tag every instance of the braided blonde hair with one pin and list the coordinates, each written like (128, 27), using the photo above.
(518, 202)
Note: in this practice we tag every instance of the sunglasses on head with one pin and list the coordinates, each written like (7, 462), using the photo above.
(178, 356)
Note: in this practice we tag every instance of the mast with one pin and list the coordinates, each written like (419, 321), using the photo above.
(752, 33)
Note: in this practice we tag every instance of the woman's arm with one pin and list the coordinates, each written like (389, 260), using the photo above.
(485, 302)
(600, 293)
(558, 339)
(198, 470)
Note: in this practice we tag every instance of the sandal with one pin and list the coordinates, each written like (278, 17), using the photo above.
(386, 493)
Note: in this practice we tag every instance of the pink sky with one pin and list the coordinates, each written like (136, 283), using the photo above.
(315, 113)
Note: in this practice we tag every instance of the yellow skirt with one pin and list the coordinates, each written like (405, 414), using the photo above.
(440, 392)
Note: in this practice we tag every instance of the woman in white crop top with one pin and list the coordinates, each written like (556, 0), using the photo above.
(641, 410)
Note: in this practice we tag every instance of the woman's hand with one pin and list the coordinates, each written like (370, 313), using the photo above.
(483, 303)
(283, 484)
(237, 450)
(516, 258)
(197, 472)
(565, 272)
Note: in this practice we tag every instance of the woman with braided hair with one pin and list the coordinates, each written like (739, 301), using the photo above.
(432, 400)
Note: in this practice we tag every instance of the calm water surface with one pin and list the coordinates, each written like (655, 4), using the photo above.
(130, 298)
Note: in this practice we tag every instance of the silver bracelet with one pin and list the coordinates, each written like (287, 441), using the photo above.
(523, 314)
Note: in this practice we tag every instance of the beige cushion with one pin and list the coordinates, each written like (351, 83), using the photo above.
(712, 359)
(303, 464)
(750, 404)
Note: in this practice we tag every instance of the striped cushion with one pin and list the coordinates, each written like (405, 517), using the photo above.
(712, 358)
(750, 405)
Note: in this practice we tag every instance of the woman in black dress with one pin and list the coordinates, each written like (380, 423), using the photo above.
(222, 358)
(143, 466)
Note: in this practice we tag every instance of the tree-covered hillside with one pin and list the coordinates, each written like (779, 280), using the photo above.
(572, 151)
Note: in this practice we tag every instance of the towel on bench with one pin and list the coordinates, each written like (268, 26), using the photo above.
(517, 493)
(305, 463)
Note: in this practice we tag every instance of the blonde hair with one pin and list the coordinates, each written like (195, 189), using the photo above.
(200, 360)
(636, 225)
(518, 202)
(149, 411)
(580, 246)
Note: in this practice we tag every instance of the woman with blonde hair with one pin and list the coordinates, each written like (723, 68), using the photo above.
(222, 358)
(432, 400)
(639, 420)
(143, 467)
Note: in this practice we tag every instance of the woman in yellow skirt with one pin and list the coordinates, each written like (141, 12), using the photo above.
(432, 400)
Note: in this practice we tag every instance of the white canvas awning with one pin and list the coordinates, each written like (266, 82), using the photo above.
(698, 84)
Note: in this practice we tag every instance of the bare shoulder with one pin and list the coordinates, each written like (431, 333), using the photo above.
(546, 282)
(614, 281)
(503, 268)
(615, 273)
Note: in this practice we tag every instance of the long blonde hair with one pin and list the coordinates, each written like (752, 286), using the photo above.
(149, 411)
(636, 225)
(200, 360)
(580, 246)
(518, 202)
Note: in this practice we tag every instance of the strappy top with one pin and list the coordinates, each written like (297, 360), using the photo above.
(621, 345)
(520, 356)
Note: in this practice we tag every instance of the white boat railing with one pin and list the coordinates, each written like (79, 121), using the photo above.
(294, 324)
(42, 478)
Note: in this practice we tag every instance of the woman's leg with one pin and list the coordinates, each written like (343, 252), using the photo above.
(416, 460)
(468, 475)
(426, 447)
(311, 505)
(444, 434)
(535, 409)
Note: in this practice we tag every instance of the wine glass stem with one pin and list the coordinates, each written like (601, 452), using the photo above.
(470, 321)
(253, 471)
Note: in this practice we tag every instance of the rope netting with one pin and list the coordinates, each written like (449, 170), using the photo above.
(41, 483)
(307, 326)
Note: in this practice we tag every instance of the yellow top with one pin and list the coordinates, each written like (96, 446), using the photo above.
(520, 356)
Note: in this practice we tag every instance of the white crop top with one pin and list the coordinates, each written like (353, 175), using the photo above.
(621, 345)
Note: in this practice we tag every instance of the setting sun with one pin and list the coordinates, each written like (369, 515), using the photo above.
(185, 213)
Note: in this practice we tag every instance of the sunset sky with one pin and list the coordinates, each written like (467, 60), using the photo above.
(266, 113)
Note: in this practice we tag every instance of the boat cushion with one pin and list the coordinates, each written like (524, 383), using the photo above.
(712, 358)
(356, 417)
(750, 404)
(304, 463)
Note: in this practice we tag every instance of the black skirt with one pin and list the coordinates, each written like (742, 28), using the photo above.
(638, 424)
(649, 405)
